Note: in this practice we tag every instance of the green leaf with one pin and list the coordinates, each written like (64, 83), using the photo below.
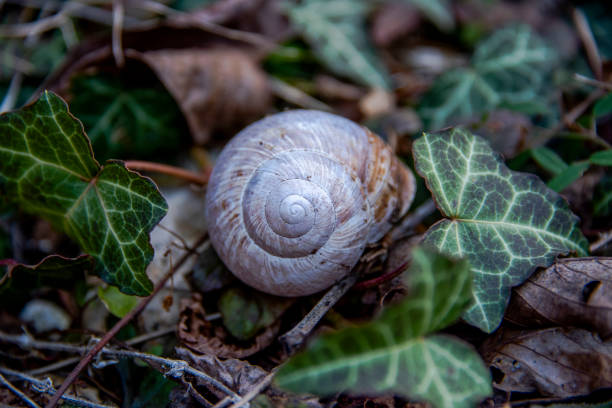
(47, 168)
(125, 120)
(17, 282)
(245, 313)
(336, 31)
(393, 354)
(602, 200)
(603, 158)
(119, 304)
(549, 160)
(506, 223)
(509, 68)
(603, 106)
(572, 173)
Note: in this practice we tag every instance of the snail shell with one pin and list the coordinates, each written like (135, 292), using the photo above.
(294, 199)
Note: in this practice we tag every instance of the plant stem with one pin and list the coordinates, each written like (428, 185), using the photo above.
(118, 326)
(190, 176)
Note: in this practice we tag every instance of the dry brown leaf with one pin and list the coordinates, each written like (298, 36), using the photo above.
(204, 337)
(217, 90)
(556, 362)
(572, 292)
(394, 20)
(504, 129)
(237, 375)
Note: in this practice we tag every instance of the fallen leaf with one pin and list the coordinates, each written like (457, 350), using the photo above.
(557, 362)
(573, 292)
(206, 337)
(237, 375)
(394, 20)
(217, 90)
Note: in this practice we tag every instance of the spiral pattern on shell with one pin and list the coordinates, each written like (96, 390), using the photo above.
(294, 198)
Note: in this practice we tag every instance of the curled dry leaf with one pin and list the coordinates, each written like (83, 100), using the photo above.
(202, 336)
(557, 362)
(572, 292)
(217, 90)
(238, 375)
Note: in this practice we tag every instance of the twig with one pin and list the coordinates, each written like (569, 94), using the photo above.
(8, 102)
(296, 96)
(255, 391)
(590, 46)
(294, 338)
(603, 240)
(46, 387)
(190, 176)
(590, 81)
(175, 368)
(118, 326)
(412, 220)
(117, 32)
(380, 279)
(74, 360)
(18, 392)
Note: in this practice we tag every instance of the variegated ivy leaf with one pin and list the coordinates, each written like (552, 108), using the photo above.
(506, 223)
(336, 31)
(510, 67)
(47, 168)
(394, 354)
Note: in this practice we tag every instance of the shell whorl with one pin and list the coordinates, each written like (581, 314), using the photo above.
(294, 198)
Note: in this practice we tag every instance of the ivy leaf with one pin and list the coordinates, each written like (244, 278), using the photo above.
(506, 223)
(47, 168)
(124, 120)
(393, 354)
(509, 68)
(55, 271)
(336, 31)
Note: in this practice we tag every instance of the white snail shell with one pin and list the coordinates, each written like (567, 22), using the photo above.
(294, 198)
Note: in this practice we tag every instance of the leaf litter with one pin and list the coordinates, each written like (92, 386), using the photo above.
(520, 87)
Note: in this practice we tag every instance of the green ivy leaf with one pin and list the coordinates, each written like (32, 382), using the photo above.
(393, 354)
(336, 31)
(509, 68)
(123, 120)
(506, 223)
(55, 271)
(47, 168)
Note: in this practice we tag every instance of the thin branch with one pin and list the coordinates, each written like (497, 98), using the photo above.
(46, 387)
(18, 392)
(382, 278)
(117, 32)
(193, 177)
(414, 218)
(590, 81)
(296, 96)
(175, 368)
(118, 326)
(603, 240)
(294, 338)
(255, 391)
(590, 46)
